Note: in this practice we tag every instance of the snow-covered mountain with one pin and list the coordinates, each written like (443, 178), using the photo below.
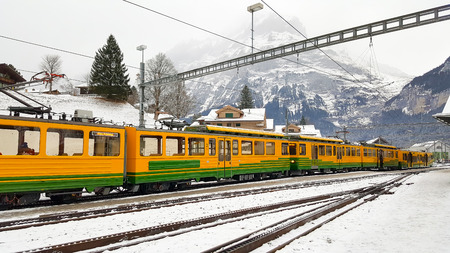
(330, 89)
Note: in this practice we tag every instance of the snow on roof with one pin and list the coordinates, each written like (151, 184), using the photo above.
(309, 130)
(254, 114)
(428, 146)
(447, 107)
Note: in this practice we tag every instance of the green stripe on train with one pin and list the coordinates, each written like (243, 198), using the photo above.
(47, 184)
(190, 169)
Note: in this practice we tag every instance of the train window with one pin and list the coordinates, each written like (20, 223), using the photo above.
(396, 154)
(270, 148)
(246, 147)
(104, 143)
(365, 152)
(287, 149)
(64, 142)
(196, 146)
(358, 152)
(18, 140)
(174, 146)
(348, 152)
(353, 152)
(374, 152)
(151, 145)
(329, 150)
(235, 147)
(321, 150)
(212, 146)
(259, 148)
(334, 150)
(302, 149)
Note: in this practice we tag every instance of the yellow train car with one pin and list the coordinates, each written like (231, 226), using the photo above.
(59, 158)
(414, 159)
(158, 159)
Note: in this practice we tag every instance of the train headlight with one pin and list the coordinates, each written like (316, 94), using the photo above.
(292, 161)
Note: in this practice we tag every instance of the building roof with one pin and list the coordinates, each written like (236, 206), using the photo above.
(13, 75)
(430, 146)
(444, 117)
(254, 114)
(378, 140)
(309, 130)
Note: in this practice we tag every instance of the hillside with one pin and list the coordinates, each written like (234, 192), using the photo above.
(108, 111)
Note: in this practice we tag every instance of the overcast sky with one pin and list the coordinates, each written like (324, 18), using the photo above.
(82, 27)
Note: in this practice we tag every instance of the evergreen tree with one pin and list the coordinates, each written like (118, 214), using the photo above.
(108, 73)
(246, 98)
(303, 121)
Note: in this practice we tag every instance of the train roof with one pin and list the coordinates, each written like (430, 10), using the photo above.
(251, 132)
(232, 130)
(57, 121)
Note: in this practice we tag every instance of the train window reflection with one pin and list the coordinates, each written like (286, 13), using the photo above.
(104, 143)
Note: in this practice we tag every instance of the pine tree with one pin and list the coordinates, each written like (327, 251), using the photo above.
(108, 73)
(303, 121)
(246, 98)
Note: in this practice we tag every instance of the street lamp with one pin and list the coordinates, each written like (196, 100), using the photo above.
(141, 87)
(251, 9)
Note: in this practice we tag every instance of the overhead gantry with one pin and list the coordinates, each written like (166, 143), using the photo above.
(411, 20)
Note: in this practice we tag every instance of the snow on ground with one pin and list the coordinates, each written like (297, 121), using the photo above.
(414, 219)
(119, 113)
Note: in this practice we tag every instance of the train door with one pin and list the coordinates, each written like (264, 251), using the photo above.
(224, 159)
(380, 160)
(339, 157)
(314, 157)
(410, 160)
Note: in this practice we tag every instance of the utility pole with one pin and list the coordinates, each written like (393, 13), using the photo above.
(142, 87)
(345, 132)
(251, 9)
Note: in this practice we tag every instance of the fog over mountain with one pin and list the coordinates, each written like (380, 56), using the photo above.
(330, 93)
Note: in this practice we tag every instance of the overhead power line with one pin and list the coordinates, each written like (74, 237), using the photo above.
(54, 48)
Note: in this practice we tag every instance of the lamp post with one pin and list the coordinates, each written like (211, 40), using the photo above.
(251, 9)
(141, 87)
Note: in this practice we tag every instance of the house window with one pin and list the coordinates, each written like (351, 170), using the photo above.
(219, 124)
(238, 124)
(228, 115)
(228, 124)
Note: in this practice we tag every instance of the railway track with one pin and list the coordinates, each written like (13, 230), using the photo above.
(122, 209)
(322, 205)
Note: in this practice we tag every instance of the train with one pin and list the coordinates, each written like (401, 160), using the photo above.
(62, 159)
